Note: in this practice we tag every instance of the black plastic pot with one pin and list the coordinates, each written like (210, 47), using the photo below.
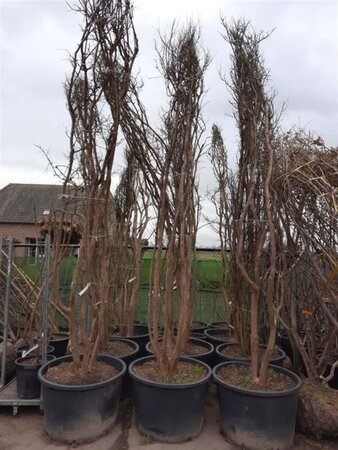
(285, 344)
(195, 335)
(140, 336)
(259, 420)
(27, 381)
(169, 412)
(128, 359)
(218, 325)
(199, 327)
(205, 357)
(80, 413)
(221, 357)
(24, 348)
(213, 335)
(60, 343)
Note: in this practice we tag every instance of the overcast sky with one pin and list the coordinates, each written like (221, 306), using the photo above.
(301, 55)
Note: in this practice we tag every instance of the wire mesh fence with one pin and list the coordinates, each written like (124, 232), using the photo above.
(208, 307)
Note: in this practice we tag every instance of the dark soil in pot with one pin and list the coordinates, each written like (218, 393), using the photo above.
(60, 343)
(230, 352)
(140, 336)
(170, 410)
(81, 412)
(317, 413)
(252, 417)
(28, 384)
(196, 348)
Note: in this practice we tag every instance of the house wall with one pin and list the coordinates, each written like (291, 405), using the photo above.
(20, 232)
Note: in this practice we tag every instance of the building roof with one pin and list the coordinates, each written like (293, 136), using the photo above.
(26, 203)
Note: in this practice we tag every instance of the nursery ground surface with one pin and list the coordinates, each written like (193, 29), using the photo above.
(25, 432)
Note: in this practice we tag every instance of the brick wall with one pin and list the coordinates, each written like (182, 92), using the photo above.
(19, 231)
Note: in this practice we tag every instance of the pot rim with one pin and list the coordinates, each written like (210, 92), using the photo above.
(133, 344)
(170, 386)
(18, 361)
(212, 324)
(228, 344)
(257, 392)
(209, 332)
(131, 336)
(201, 342)
(63, 334)
(80, 387)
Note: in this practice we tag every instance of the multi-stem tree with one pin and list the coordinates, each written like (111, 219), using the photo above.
(222, 199)
(254, 238)
(95, 91)
(131, 206)
(182, 66)
(169, 160)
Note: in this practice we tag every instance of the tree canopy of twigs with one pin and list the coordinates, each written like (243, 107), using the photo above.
(254, 238)
(169, 160)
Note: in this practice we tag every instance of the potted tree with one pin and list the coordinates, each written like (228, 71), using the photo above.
(81, 391)
(253, 395)
(131, 205)
(169, 168)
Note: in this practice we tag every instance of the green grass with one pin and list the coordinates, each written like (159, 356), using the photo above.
(209, 305)
(208, 268)
(33, 268)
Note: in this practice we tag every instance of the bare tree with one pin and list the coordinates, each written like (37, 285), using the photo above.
(254, 237)
(183, 70)
(95, 91)
(169, 158)
(223, 201)
(131, 205)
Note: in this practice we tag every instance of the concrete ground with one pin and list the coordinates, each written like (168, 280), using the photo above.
(25, 431)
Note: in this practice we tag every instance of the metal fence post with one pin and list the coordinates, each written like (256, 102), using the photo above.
(45, 302)
(6, 311)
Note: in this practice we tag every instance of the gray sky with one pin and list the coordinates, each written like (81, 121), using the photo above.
(301, 55)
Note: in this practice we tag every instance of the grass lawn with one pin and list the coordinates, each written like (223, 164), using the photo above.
(208, 302)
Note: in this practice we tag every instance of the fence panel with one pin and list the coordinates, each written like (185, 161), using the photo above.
(209, 305)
